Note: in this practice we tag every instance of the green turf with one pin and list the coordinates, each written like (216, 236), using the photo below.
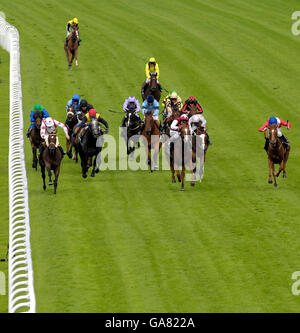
(4, 128)
(131, 241)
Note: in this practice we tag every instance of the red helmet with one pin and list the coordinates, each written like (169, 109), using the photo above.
(92, 112)
(192, 99)
(183, 118)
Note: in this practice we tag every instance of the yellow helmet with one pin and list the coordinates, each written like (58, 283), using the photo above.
(152, 60)
(75, 20)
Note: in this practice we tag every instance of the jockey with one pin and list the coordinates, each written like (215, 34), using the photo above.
(198, 120)
(149, 104)
(191, 100)
(92, 114)
(175, 128)
(130, 104)
(279, 122)
(49, 126)
(82, 110)
(37, 107)
(75, 101)
(151, 67)
(171, 102)
(69, 28)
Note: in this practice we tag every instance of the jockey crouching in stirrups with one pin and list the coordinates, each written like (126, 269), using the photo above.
(149, 104)
(36, 108)
(49, 126)
(151, 67)
(69, 29)
(175, 128)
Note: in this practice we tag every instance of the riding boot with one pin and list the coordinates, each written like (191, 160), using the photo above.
(266, 144)
(62, 151)
(285, 142)
(28, 132)
(208, 140)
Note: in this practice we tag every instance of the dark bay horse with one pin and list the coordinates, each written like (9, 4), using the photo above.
(51, 160)
(133, 127)
(169, 119)
(35, 137)
(70, 123)
(90, 146)
(72, 47)
(151, 139)
(277, 154)
(152, 88)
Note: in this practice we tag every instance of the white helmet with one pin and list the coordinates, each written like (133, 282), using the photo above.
(50, 124)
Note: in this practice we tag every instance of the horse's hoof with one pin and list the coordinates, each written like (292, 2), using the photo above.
(156, 167)
(97, 171)
(182, 189)
(192, 184)
(84, 175)
(284, 176)
(50, 183)
(270, 181)
(92, 175)
(173, 181)
(44, 188)
(275, 186)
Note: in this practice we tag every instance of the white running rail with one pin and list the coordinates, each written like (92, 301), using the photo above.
(21, 297)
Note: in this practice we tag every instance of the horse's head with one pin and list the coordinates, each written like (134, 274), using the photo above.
(95, 128)
(38, 117)
(52, 144)
(153, 82)
(273, 135)
(185, 131)
(149, 121)
(70, 113)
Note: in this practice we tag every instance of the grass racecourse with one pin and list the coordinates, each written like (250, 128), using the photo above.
(130, 241)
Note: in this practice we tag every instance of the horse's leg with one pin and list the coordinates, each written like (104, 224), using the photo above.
(182, 178)
(156, 155)
(68, 148)
(34, 159)
(76, 55)
(172, 165)
(43, 174)
(149, 157)
(49, 174)
(274, 175)
(281, 167)
(94, 167)
(270, 181)
(56, 178)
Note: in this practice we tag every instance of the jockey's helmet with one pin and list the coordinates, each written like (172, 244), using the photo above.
(152, 60)
(174, 95)
(37, 107)
(184, 117)
(75, 20)
(92, 113)
(50, 124)
(272, 121)
(84, 103)
(76, 98)
(150, 99)
(192, 99)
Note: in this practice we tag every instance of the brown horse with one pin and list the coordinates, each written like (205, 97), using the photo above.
(200, 146)
(277, 154)
(151, 139)
(51, 160)
(72, 47)
(35, 137)
(152, 88)
(181, 156)
(70, 123)
(168, 120)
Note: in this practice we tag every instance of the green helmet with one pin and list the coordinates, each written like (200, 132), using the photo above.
(37, 107)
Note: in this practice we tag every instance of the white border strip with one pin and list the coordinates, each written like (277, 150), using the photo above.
(21, 296)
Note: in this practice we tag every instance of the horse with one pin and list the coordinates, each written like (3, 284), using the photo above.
(152, 88)
(90, 146)
(70, 123)
(71, 48)
(51, 160)
(133, 127)
(168, 120)
(35, 137)
(199, 147)
(181, 155)
(277, 154)
(151, 130)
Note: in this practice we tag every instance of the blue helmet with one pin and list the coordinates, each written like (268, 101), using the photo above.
(272, 121)
(150, 99)
(76, 97)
